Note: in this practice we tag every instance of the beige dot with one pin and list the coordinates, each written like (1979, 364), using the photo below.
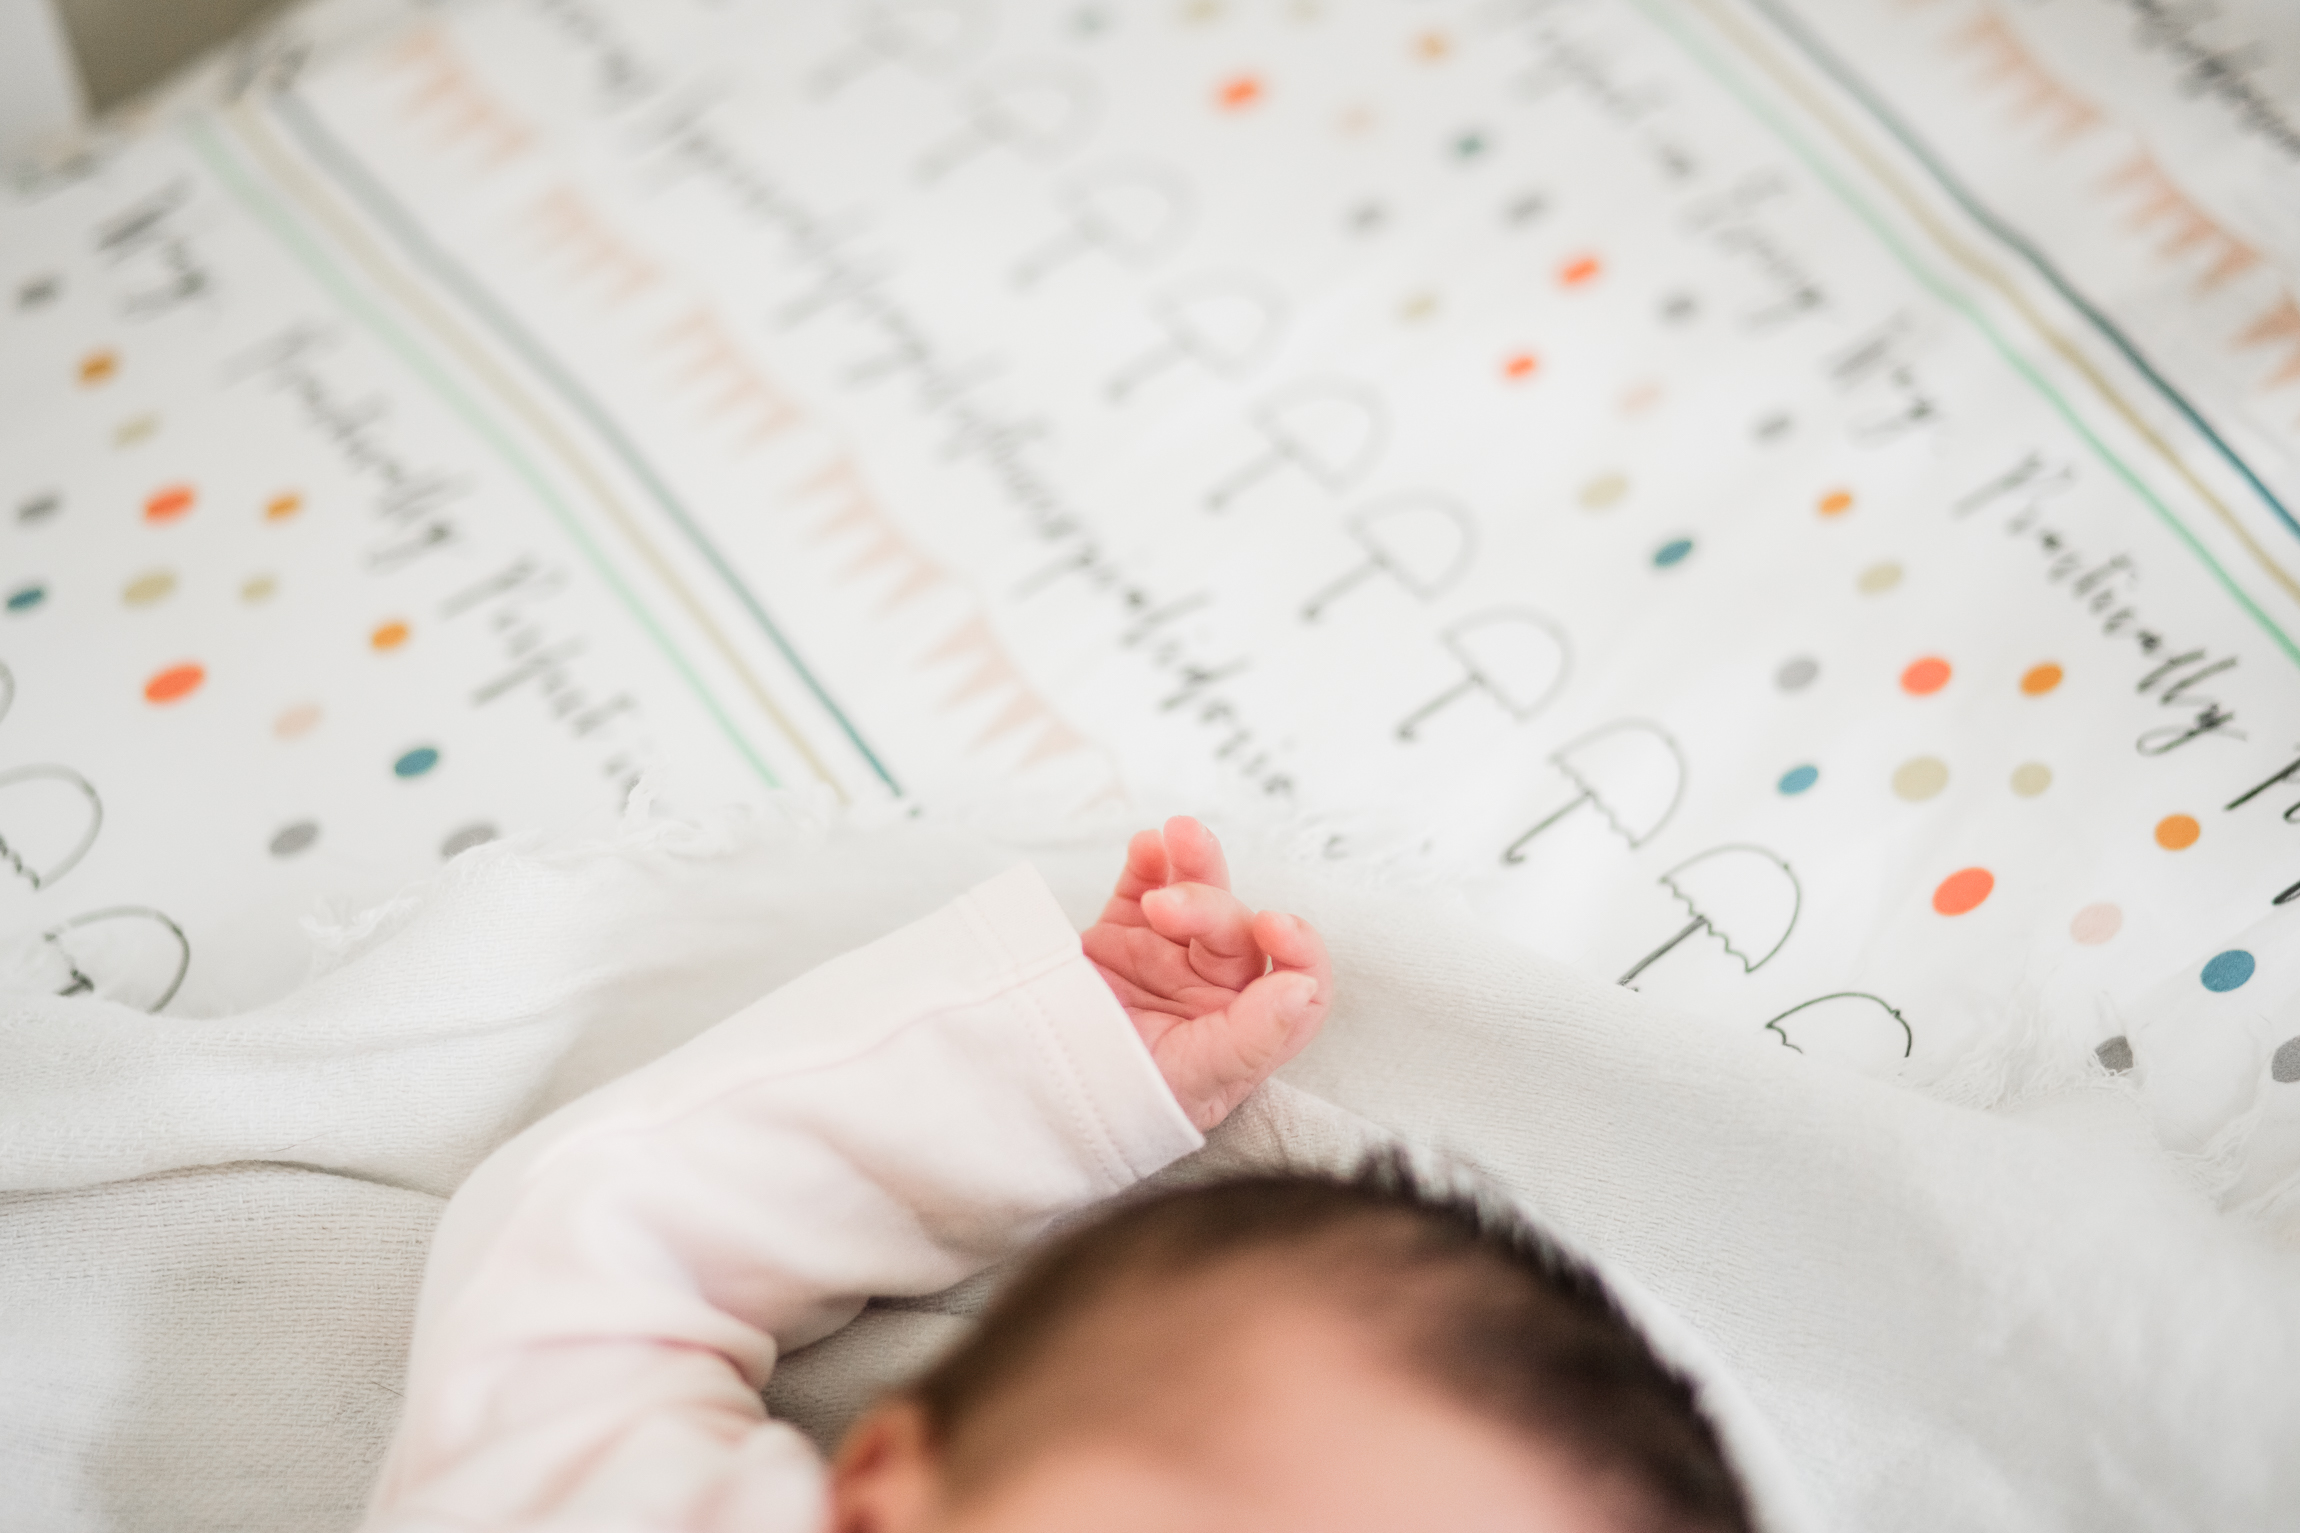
(259, 588)
(147, 588)
(1603, 491)
(1920, 777)
(2096, 924)
(300, 720)
(1880, 577)
(2031, 778)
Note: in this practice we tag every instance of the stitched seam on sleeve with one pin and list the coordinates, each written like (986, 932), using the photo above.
(1085, 1112)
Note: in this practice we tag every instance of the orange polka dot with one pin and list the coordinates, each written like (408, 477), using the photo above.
(389, 635)
(1579, 270)
(1925, 677)
(2041, 679)
(177, 681)
(1522, 365)
(1963, 890)
(97, 366)
(2177, 832)
(169, 502)
(1836, 502)
(280, 507)
(1433, 45)
(1239, 92)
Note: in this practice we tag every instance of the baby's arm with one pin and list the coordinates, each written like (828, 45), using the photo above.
(608, 1293)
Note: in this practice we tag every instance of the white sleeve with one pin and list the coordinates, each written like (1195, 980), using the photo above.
(609, 1291)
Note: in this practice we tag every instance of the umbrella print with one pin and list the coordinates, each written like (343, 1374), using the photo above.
(1223, 323)
(931, 34)
(1330, 430)
(1037, 112)
(49, 816)
(129, 954)
(1131, 213)
(1517, 657)
(1630, 772)
(1423, 542)
(1849, 1024)
(1744, 896)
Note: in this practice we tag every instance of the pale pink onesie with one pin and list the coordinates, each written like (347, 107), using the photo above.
(609, 1291)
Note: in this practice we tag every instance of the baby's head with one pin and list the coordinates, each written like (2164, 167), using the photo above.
(1295, 1353)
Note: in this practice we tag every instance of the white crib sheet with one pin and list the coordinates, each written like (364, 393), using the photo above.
(1790, 505)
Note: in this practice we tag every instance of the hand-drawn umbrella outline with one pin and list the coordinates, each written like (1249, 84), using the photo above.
(931, 34)
(1908, 1033)
(1423, 541)
(1736, 886)
(1331, 430)
(1224, 321)
(12, 856)
(1039, 111)
(1517, 656)
(1132, 213)
(81, 983)
(1629, 771)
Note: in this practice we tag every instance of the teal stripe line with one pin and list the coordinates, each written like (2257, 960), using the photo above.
(1758, 108)
(1836, 69)
(363, 188)
(293, 238)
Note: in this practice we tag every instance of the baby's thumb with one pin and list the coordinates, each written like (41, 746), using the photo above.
(1271, 1020)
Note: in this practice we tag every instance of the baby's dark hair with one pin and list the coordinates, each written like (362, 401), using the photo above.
(1469, 1297)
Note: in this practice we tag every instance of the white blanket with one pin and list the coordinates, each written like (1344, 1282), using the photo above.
(212, 1230)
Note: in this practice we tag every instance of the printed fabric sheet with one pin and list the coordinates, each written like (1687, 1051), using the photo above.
(1791, 506)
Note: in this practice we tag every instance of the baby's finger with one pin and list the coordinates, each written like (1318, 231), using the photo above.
(1145, 870)
(1195, 855)
(1294, 945)
(1266, 1026)
(1217, 926)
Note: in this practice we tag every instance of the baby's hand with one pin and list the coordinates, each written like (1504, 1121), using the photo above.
(1221, 995)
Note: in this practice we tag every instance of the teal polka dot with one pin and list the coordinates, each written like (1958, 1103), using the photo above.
(1798, 778)
(416, 762)
(1672, 552)
(24, 598)
(2229, 970)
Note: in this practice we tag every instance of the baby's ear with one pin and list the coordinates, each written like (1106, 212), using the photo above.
(887, 1477)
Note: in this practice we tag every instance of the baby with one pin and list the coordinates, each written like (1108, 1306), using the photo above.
(609, 1292)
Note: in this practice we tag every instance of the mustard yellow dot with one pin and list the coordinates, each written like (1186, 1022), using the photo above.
(147, 588)
(280, 507)
(1604, 491)
(1920, 778)
(1879, 578)
(258, 588)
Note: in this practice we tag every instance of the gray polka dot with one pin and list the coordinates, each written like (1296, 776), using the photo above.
(295, 838)
(2284, 1064)
(1796, 675)
(39, 508)
(2115, 1056)
(467, 838)
(1774, 427)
